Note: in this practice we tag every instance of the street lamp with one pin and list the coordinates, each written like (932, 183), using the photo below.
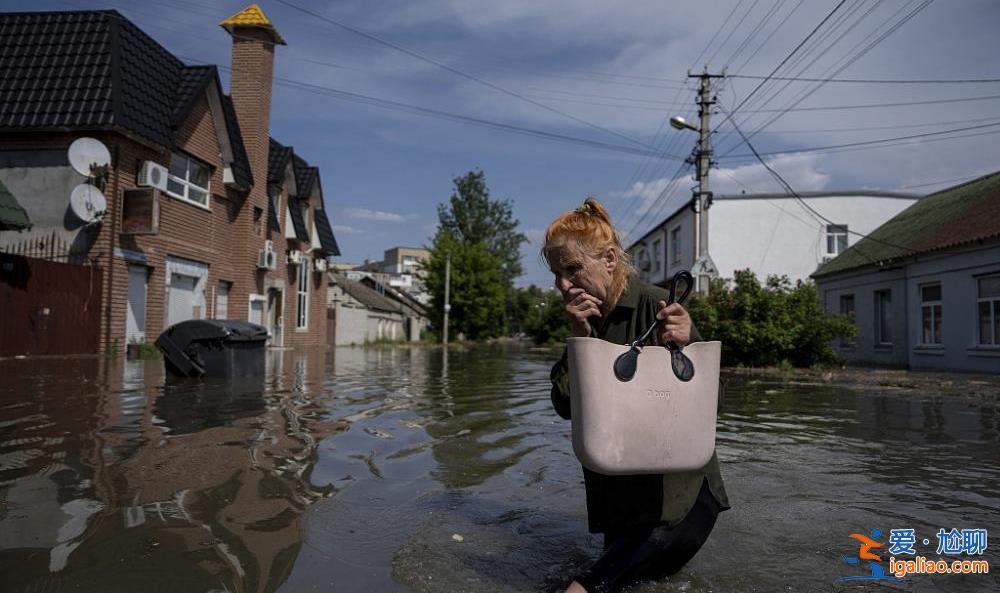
(679, 123)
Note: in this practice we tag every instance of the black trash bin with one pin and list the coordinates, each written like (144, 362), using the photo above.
(215, 348)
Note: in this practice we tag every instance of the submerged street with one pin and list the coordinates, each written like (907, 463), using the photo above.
(406, 469)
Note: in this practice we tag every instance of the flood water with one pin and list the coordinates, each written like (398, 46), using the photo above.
(404, 470)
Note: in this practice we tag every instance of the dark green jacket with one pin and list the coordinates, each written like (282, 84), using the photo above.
(617, 502)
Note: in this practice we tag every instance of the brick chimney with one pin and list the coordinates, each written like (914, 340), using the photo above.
(254, 38)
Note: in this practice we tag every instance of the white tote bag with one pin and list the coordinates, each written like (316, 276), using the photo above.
(653, 412)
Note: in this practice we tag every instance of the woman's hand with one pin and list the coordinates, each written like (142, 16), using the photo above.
(581, 306)
(675, 324)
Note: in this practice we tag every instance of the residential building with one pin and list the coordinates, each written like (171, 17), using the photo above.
(363, 311)
(235, 227)
(766, 233)
(924, 288)
(401, 268)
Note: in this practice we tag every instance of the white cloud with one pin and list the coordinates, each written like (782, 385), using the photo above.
(801, 171)
(377, 215)
(345, 230)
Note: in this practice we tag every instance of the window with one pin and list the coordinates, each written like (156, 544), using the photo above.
(836, 239)
(222, 300)
(847, 308)
(643, 261)
(675, 245)
(989, 311)
(883, 317)
(302, 300)
(930, 314)
(657, 252)
(188, 179)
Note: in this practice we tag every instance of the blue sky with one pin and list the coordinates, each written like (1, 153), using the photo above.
(594, 64)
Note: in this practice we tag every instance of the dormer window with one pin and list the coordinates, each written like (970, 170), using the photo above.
(188, 179)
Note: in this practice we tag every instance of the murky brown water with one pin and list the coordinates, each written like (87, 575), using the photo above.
(355, 470)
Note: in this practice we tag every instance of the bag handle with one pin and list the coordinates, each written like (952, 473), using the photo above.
(627, 363)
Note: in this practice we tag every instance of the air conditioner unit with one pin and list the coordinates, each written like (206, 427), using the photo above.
(319, 265)
(294, 257)
(152, 175)
(267, 259)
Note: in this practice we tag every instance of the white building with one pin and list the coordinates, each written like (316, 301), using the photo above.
(766, 233)
(924, 288)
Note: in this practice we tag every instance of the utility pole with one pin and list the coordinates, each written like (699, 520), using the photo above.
(447, 302)
(702, 199)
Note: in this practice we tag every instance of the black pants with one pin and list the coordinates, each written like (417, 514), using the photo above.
(653, 552)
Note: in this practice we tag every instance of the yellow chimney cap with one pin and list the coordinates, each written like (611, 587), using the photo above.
(252, 17)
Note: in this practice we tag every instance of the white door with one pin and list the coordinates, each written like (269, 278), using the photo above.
(181, 299)
(135, 325)
(257, 310)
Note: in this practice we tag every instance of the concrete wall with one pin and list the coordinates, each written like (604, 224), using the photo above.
(778, 236)
(670, 263)
(957, 272)
(42, 180)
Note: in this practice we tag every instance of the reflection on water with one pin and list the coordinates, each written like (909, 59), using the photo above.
(412, 469)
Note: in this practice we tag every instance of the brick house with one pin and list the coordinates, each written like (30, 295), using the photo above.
(236, 228)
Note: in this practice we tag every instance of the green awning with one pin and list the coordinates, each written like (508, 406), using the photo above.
(12, 215)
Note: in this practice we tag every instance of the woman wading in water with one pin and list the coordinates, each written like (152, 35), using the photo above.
(653, 524)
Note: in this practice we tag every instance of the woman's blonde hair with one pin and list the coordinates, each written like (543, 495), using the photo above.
(589, 227)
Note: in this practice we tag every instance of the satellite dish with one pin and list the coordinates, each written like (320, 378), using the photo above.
(84, 152)
(87, 202)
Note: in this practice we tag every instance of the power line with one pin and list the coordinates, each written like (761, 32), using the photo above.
(875, 80)
(457, 72)
(879, 105)
(802, 202)
(425, 111)
(867, 142)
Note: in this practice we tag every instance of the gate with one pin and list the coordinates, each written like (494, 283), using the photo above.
(48, 307)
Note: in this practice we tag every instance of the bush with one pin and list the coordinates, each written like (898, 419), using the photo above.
(770, 324)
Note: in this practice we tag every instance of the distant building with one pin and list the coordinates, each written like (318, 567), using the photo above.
(206, 216)
(924, 288)
(362, 311)
(401, 268)
(766, 233)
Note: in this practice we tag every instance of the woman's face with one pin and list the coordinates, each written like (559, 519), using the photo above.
(575, 268)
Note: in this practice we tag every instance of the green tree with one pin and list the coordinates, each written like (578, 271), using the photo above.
(477, 287)
(768, 324)
(472, 217)
(480, 233)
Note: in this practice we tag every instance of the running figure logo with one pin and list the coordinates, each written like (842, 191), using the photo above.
(865, 553)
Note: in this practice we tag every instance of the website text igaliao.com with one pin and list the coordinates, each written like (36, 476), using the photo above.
(921, 565)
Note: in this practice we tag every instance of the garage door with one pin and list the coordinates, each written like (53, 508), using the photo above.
(185, 290)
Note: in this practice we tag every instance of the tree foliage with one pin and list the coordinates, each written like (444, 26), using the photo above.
(773, 323)
(481, 236)
(472, 217)
(540, 314)
(477, 288)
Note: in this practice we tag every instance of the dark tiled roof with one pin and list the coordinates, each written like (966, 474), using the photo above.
(367, 296)
(959, 215)
(88, 70)
(277, 160)
(298, 223)
(305, 175)
(242, 174)
(327, 241)
(272, 216)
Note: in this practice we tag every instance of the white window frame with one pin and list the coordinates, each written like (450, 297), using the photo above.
(992, 304)
(657, 260)
(675, 245)
(835, 232)
(302, 294)
(935, 337)
(880, 317)
(229, 290)
(186, 184)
